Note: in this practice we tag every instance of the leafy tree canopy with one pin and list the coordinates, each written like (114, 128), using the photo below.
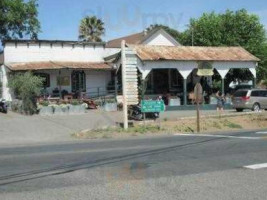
(26, 86)
(18, 19)
(230, 29)
(91, 29)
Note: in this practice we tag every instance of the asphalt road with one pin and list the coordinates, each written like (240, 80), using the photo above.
(172, 167)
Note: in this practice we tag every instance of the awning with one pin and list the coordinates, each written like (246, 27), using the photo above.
(58, 65)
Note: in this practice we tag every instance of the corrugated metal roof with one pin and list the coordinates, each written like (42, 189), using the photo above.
(185, 53)
(57, 65)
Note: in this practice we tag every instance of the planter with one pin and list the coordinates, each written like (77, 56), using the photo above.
(110, 107)
(61, 110)
(46, 110)
(77, 109)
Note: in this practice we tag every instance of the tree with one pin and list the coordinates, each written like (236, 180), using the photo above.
(26, 87)
(91, 29)
(230, 29)
(18, 19)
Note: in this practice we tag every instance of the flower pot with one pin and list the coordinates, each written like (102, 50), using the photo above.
(110, 107)
(77, 109)
(46, 110)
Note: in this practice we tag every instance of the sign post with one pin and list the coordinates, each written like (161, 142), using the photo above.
(150, 106)
(198, 95)
(129, 80)
(125, 106)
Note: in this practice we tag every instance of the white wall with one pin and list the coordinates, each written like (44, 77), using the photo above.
(35, 53)
(94, 80)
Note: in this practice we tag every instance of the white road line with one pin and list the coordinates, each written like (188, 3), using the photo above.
(261, 132)
(256, 166)
(219, 136)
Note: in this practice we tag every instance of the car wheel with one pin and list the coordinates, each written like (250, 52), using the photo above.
(256, 107)
(239, 109)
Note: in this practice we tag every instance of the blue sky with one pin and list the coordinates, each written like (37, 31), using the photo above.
(60, 18)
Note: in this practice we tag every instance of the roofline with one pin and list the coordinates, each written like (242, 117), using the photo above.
(72, 42)
(146, 60)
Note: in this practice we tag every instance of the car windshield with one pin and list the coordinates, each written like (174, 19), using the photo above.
(241, 93)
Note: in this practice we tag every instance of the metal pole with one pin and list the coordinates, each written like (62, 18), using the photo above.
(185, 91)
(125, 107)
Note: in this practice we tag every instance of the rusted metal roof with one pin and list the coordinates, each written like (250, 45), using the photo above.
(185, 53)
(57, 65)
(130, 39)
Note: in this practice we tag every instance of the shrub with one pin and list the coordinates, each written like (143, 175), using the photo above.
(26, 87)
(75, 102)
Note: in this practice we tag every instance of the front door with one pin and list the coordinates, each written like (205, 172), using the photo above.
(78, 81)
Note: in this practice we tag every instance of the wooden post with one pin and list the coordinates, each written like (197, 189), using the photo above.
(116, 86)
(185, 91)
(124, 88)
(59, 77)
(198, 117)
(223, 86)
(198, 94)
(254, 82)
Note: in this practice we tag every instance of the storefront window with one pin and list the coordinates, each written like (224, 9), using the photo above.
(46, 77)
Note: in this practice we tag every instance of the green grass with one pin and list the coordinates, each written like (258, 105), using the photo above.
(229, 124)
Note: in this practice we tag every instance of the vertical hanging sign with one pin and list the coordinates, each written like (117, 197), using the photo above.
(129, 80)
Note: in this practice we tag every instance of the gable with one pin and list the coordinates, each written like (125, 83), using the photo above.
(161, 38)
(157, 36)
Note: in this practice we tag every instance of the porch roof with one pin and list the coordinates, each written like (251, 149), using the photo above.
(186, 53)
(58, 65)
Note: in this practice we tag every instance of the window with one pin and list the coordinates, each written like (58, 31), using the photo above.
(46, 77)
(255, 93)
(241, 93)
(176, 78)
(263, 93)
(78, 81)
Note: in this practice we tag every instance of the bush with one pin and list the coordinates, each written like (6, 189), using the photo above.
(26, 87)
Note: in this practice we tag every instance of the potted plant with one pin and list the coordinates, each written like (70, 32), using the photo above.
(76, 107)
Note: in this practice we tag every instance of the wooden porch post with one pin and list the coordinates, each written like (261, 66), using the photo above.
(185, 91)
(254, 82)
(116, 86)
(223, 86)
(59, 77)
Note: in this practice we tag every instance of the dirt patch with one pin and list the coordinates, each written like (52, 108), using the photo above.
(207, 124)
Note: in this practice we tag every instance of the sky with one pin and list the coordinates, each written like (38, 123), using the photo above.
(60, 18)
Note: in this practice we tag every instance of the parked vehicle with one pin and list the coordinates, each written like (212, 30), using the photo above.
(134, 112)
(254, 99)
(3, 106)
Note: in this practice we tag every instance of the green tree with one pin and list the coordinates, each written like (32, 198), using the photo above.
(26, 87)
(18, 19)
(230, 29)
(91, 29)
